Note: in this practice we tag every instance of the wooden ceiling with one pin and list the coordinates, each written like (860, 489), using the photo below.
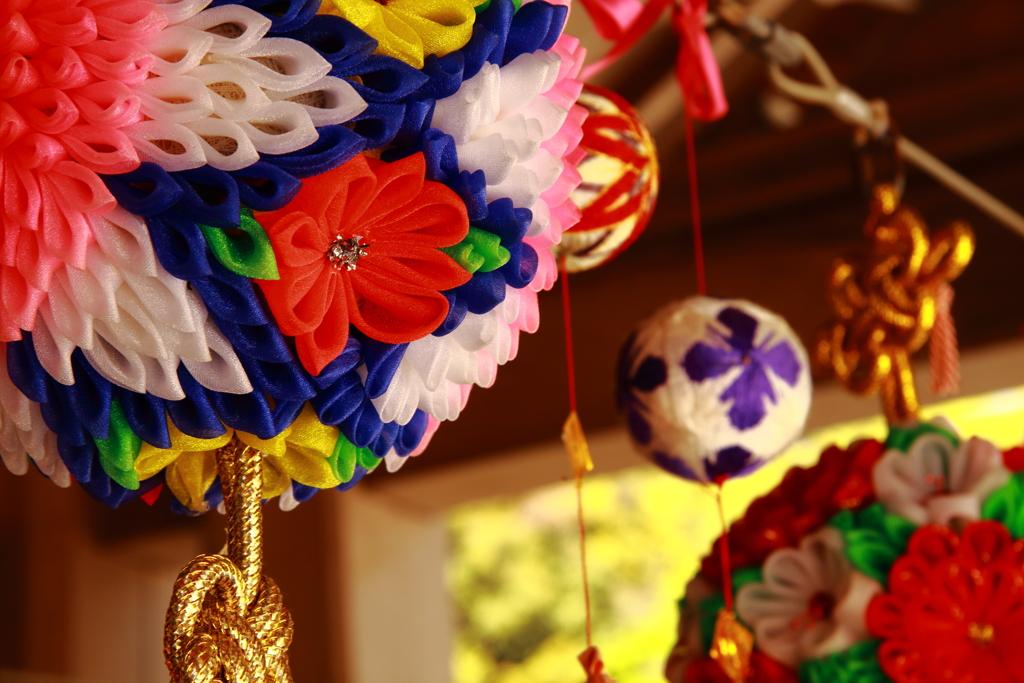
(780, 205)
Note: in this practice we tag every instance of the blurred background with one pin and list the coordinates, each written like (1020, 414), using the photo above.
(463, 566)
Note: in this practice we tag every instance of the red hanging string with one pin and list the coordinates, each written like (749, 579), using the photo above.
(691, 165)
(571, 372)
(724, 554)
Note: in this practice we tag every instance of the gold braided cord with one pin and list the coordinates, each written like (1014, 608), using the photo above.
(227, 623)
(884, 305)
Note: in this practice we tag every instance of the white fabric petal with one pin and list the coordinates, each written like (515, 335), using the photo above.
(278, 63)
(329, 100)
(781, 609)
(935, 482)
(225, 145)
(223, 92)
(235, 28)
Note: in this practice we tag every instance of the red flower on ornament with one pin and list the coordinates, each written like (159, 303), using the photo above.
(955, 607)
(763, 669)
(805, 500)
(66, 71)
(361, 245)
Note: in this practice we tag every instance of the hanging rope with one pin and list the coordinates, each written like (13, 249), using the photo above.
(227, 623)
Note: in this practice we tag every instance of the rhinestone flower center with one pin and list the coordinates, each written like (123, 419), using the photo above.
(345, 252)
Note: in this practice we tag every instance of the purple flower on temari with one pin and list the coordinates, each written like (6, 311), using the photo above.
(748, 391)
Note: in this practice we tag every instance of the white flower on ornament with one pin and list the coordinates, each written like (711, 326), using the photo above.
(938, 482)
(811, 602)
(689, 643)
(221, 93)
(134, 321)
(436, 372)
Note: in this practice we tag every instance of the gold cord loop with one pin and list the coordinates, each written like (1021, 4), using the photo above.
(227, 623)
(884, 305)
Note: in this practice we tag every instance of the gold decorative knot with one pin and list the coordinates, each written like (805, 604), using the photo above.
(227, 623)
(884, 305)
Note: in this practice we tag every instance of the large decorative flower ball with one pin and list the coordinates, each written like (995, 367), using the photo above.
(713, 388)
(253, 221)
(618, 181)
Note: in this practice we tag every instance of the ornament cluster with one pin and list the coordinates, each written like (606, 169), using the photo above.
(309, 228)
(900, 561)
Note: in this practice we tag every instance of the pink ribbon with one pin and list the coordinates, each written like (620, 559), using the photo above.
(696, 68)
(612, 17)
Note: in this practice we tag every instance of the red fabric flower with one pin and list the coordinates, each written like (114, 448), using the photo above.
(763, 669)
(66, 71)
(388, 222)
(805, 500)
(955, 608)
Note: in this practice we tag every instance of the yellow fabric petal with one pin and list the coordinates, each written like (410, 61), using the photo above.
(309, 467)
(410, 29)
(190, 476)
(275, 481)
(276, 446)
(443, 25)
(152, 459)
(310, 445)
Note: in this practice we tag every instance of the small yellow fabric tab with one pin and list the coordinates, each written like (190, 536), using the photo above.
(410, 30)
(190, 476)
(152, 459)
(732, 646)
(576, 443)
(301, 452)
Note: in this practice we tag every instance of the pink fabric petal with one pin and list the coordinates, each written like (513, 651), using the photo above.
(17, 76)
(108, 104)
(103, 151)
(46, 110)
(117, 60)
(61, 67)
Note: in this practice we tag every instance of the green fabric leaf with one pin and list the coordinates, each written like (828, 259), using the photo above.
(366, 459)
(711, 605)
(245, 250)
(857, 664)
(479, 250)
(874, 539)
(487, 3)
(901, 438)
(120, 449)
(343, 459)
(1006, 505)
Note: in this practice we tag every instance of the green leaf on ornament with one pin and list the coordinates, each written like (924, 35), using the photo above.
(120, 449)
(857, 664)
(245, 250)
(1006, 505)
(709, 607)
(874, 539)
(479, 250)
(901, 438)
(487, 3)
(367, 460)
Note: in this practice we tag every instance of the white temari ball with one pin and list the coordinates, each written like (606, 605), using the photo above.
(713, 388)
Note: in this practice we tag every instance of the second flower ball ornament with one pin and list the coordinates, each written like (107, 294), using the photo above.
(713, 388)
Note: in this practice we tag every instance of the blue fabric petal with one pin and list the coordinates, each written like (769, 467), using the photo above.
(411, 435)
(90, 396)
(195, 414)
(378, 125)
(265, 187)
(386, 79)
(363, 426)
(179, 245)
(674, 466)
(357, 477)
(210, 196)
(336, 402)
(303, 493)
(536, 26)
(383, 443)
(382, 361)
(343, 44)
(146, 191)
(286, 15)
(146, 415)
(80, 459)
(230, 295)
(336, 145)
(457, 310)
